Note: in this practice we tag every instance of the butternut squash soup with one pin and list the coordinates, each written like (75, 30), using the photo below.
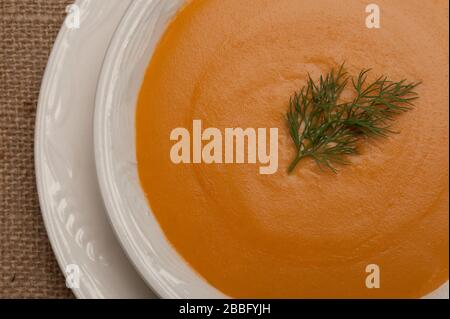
(376, 228)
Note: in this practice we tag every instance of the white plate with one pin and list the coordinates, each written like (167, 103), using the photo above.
(131, 216)
(132, 219)
(71, 203)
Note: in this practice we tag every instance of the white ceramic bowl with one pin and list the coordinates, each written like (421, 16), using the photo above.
(135, 225)
(130, 215)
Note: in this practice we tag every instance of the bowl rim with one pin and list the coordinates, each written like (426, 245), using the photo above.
(129, 239)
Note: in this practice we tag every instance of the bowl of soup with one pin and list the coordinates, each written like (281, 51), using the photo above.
(186, 83)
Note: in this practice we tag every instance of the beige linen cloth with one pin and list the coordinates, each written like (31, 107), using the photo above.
(28, 268)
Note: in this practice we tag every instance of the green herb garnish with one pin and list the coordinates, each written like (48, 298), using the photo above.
(327, 129)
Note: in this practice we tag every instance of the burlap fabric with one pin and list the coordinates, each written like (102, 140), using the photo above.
(28, 268)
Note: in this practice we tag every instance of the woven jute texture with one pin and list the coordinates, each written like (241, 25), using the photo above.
(28, 268)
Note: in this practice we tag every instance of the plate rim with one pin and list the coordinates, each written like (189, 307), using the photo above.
(40, 133)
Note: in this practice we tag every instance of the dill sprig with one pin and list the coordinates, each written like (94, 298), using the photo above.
(327, 130)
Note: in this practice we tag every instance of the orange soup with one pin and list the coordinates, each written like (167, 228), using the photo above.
(312, 233)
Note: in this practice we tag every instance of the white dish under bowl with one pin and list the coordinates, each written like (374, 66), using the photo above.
(132, 219)
(71, 204)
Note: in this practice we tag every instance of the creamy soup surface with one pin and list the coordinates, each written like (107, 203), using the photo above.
(310, 234)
